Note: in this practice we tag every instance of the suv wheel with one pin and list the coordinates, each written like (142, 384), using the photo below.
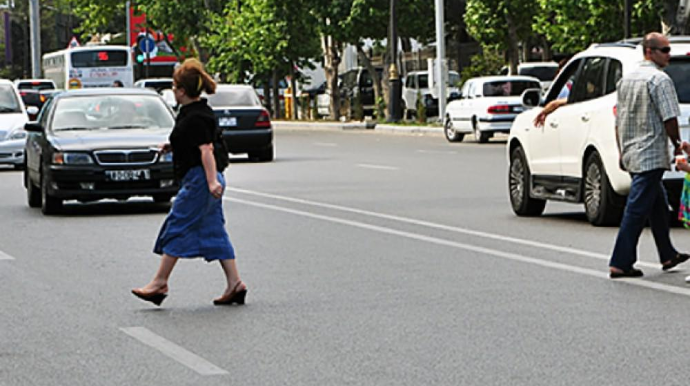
(603, 206)
(50, 204)
(519, 186)
(33, 194)
(451, 134)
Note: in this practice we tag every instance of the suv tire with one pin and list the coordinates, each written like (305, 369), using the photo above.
(603, 206)
(451, 134)
(519, 186)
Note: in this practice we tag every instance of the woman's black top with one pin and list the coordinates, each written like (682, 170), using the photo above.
(195, 126)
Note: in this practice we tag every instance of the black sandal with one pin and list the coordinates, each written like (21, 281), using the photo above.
(675, 260)
(632, 272)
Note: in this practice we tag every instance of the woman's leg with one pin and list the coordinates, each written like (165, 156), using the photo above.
(160, 280)
(232, 275)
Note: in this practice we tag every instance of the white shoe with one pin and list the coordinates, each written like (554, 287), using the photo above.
(687, 279)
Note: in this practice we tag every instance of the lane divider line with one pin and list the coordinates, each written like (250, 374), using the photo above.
(173, 351)
(5, 256)
(428, 224)
(473, 248)
(379, 167)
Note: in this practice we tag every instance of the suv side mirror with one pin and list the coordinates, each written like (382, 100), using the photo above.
(33, 127)
(531, 97)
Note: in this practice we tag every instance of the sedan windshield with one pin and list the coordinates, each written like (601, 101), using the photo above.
(8, 100)
(230, 97)
(110, 112)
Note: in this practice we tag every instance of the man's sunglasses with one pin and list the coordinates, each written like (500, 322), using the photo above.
(663, 50)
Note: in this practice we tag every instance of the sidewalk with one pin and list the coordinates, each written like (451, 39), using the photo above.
(378, 127)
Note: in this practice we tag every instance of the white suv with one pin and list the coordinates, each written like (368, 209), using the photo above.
(574, 156)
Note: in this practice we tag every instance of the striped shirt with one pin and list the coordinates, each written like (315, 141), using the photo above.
(646, 99)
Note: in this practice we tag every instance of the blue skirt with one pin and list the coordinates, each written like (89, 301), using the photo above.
(195, 226)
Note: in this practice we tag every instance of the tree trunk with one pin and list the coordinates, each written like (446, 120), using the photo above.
(385, 86)
(546, 53)
(331, 62)
(513, 49)
(374, 77)
(293, 86)
(276, 96)
(267, 94)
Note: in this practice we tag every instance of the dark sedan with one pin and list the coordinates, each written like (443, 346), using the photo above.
(99, 143)
(245, 123)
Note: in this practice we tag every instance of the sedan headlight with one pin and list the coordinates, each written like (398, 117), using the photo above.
(165, 157)
(60, 158)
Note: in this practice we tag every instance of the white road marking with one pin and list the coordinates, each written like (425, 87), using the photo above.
(488, 251)
(380, 167)
(325, 144)
(5, 256)
(514, 240)
(173, 351)
(436, 151)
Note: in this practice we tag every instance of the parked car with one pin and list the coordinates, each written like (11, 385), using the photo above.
(35, 84)
(96, 143)
(12, 149)
(416, 83)
(544, 71)
(245, 123)
(486, 106)
(574, 157)
(33, 98)
(157, 84)
(358, 83)
(13, 113)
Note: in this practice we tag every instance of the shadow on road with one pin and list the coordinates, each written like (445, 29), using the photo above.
(109, 208)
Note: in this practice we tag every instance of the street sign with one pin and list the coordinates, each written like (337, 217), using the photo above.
(148, 46)
(73, 42)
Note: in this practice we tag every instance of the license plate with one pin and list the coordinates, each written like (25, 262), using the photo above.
(227, 121)
(128, 175)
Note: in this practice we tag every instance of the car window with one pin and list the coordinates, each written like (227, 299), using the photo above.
(471, 90)
(423, 81)
(105, 112)
(508, 88)
(564, 82)
(590, 84)
(45, 111)
(613, 75)
(543, 73)
(453, 79)
(679, 71)
(8, 100)
(234, 97)
(366, 80)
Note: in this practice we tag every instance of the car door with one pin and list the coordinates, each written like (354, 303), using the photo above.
(544, 141)
(34, 141)
(464, 121)
(580, 113)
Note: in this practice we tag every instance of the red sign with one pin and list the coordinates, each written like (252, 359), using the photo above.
(164, 53)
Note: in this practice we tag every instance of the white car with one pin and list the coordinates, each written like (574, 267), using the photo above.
(157, 84)
(12, 149)
(574, 156)
(486, 105)
(416, 83)
(13, 117)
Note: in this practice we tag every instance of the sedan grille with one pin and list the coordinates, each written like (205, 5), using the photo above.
(126, 157)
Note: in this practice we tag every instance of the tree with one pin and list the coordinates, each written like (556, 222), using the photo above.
(502, 23)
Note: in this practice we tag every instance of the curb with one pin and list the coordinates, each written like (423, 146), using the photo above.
(357, 126)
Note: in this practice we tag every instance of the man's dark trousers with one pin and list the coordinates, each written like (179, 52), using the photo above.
(647, 200)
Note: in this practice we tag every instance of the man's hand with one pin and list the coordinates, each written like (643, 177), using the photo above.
(548, 109)
(216, 189)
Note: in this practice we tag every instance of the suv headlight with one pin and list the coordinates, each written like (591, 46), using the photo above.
(60, 158)
(165, 157)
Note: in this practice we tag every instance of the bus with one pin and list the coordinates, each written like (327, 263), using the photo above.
(90, 66)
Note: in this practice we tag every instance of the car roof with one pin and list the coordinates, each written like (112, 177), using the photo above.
(227, 86)
(106, 91)
(538, 64)
(503, 78)
(33, 80)
(6, 81)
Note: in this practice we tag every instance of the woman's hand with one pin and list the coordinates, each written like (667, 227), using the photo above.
(164, 148)
(216, 189)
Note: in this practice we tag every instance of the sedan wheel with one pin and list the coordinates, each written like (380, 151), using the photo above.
(451, 134)
(478, 135)
(33, 194)
(519, 187)
(50, 205)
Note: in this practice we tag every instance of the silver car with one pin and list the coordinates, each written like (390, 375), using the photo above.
(12, 149)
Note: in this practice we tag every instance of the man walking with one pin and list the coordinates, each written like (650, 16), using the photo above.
(647, 117)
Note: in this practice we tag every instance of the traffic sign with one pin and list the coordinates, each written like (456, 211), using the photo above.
(73, 42)
(148, 46)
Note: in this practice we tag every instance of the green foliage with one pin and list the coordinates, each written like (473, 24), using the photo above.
(488, 62)
(488, 21)
(381, 108)
(421, 109)
(572, 26)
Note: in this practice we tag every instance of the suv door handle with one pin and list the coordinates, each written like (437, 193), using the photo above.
(553, 124)
(585, 118)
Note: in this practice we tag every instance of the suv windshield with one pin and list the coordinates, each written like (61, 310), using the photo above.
(679, 71)
(112, 112)
(233, 97)
(542, 73)
(508, 88)
(8, 100)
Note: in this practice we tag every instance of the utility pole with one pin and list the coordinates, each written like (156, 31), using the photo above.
(128, 6)
(395, 92)
(440, 59)
(35, 26)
